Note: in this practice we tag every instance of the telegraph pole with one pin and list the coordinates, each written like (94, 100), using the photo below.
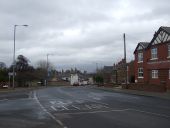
(124, 38)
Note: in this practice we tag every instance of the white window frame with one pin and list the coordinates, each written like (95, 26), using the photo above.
(168, 50)
(140, 72)
(154, 53)
(140, 57)
(155, 74)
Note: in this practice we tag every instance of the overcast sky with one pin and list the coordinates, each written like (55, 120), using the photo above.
(79, 33)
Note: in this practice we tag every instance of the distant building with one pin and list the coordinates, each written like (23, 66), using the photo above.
(152, 59)
(74, 80)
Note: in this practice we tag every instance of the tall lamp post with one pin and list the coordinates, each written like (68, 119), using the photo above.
(14, 63)
(47, 68)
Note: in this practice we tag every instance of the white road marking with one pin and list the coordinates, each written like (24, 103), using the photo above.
(52, 102)
(53, 108)
(65, 107)
(88, 106)
(3, 100)
(81, 99)
(45, 110)
(151, 113)
(75, 107)
(93, 112)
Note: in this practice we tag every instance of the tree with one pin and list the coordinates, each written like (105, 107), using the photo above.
(2, 65)
(98, 79)
(41, 70)
(22, 63)
(24, 71)
(3, 72)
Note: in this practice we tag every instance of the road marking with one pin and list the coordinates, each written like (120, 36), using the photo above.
(93, 112)
(88, 106)
(30, 95)
(75, 107)
(53, 108)
(3, 100)
(65, 107)
(45, 110)
(151, 113)
(81, 98)
(53, 102)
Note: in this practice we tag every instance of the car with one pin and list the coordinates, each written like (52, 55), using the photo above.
(5, 86)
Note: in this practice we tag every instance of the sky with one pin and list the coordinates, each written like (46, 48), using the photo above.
(78, 33)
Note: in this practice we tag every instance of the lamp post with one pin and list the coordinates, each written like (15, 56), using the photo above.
(14, 63)
(126, 80)
(47, 68)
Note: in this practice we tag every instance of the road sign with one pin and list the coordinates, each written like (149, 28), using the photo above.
(11, 74)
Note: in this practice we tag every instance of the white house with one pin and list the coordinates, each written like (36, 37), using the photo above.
(74, 79)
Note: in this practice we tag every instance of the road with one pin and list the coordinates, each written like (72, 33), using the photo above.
(81, 107)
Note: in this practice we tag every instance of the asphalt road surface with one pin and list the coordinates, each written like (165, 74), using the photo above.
(81, 107)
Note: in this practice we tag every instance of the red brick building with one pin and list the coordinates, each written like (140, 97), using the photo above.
(152, 59)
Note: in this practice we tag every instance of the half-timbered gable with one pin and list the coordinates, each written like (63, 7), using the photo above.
(161, 36)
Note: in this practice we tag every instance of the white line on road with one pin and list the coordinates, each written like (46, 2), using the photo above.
(3, 100)
(87, 106)
(45, 110)
(93, 112)
(53, 108)
(75, 107)
(65, 107)
(151, 113)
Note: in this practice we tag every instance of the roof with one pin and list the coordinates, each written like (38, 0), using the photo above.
(143, 44)
(148, 44)
(162, 28)
(167, 29)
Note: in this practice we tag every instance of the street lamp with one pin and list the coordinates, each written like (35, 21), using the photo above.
(14, 63)
(47, 68)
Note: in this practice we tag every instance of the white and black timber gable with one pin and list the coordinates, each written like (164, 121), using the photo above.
(161, 36)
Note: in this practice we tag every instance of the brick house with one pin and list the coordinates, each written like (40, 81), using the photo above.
(152, 59)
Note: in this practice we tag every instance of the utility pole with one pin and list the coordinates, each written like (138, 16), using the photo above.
(47, 70)
(46, 83)
(124, 38)
(96, 67)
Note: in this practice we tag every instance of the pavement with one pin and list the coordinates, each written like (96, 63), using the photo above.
(164, 95)
(82, 107)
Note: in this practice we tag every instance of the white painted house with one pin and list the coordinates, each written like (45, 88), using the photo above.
(74, 79)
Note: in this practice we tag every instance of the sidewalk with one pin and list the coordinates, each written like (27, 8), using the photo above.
(164, 95)
(19, 89)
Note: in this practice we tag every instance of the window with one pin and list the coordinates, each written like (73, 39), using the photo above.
(154, 73)
(140, 72)
(169, 50)
(154, 53)
(140, 57)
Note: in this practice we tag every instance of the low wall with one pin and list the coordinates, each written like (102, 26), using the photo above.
(147, 87)
(59, 83)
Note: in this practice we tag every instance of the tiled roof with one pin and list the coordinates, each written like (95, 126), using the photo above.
(167, 29)
(144, 44)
